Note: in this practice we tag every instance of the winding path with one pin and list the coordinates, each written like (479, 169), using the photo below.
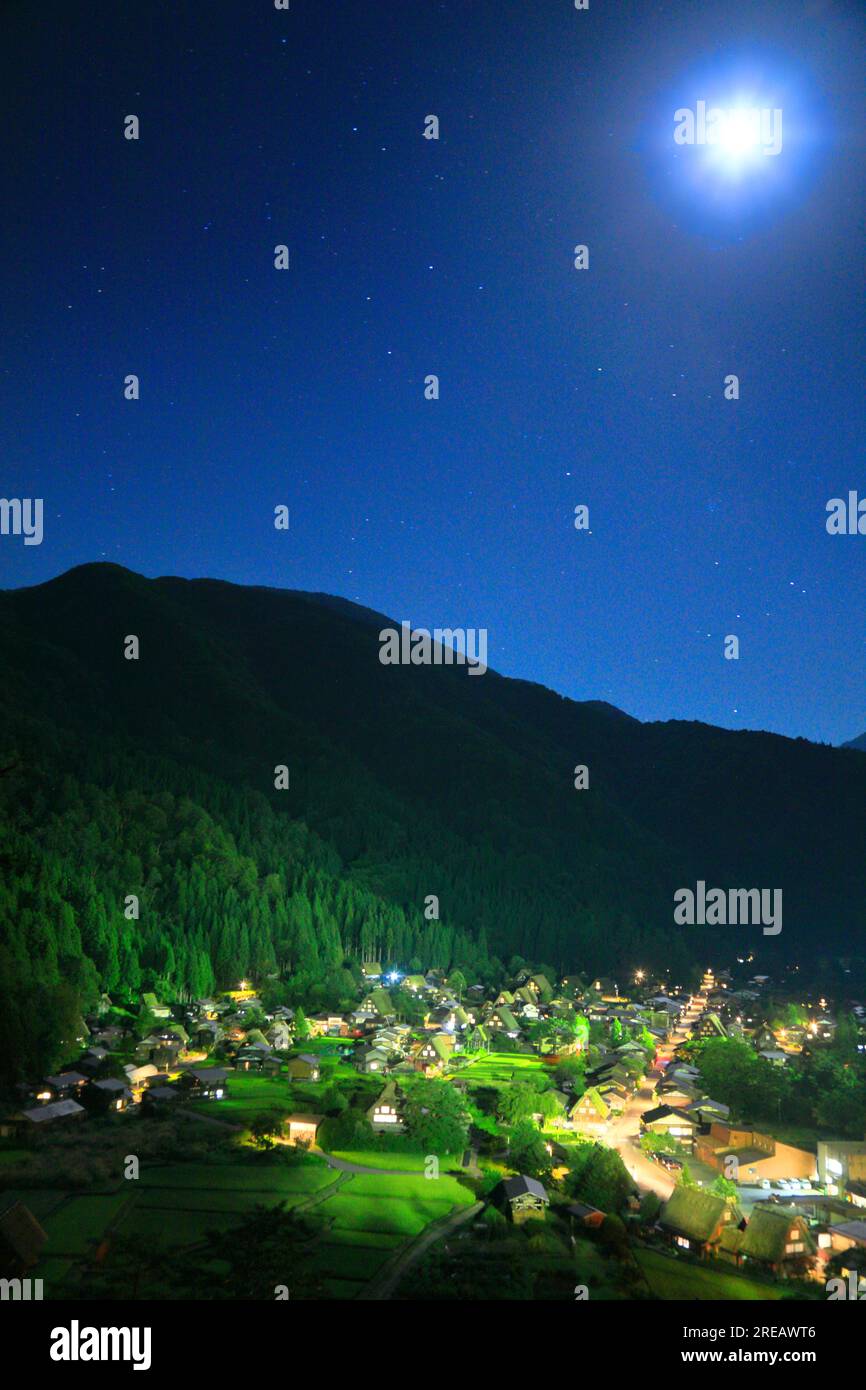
(383, 1284)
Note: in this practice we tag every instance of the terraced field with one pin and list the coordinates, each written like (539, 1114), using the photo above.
(500, 1068)
(364, 1218)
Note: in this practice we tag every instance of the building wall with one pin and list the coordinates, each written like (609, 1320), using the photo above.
(736, 1137)
(306, 1134)
(786, 1162)
(850, 1155)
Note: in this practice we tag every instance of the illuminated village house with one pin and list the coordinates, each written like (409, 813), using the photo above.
(525, 1198)
(302, 1129)
(385, 1113)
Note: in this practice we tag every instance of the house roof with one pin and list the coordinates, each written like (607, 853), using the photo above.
(112, 1085)
(706, 1104)
(522, 1186)
(731, 1239)
(595, 1100)
(388, 1096)
(612, 1090)
(853, 1230)
(690, 1211)
(140, 1073)
(713, 1021)
(582, 1209)
(662, 1112)
(381, 1001)
(768, 1231)
(304, 1120)
(66, 1078)
(208, 1074)
(55, 1111)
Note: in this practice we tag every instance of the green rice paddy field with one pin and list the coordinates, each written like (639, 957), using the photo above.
(364, 1218)
(670, 1278)
(499, 1068)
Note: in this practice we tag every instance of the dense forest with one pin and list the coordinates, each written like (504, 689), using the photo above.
(153, 779)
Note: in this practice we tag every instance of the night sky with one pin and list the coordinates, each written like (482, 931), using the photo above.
(455, 257)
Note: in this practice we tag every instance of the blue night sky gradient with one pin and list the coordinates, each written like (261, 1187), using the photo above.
(455, 257)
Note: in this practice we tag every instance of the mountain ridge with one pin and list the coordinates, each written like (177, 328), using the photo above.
(404, 782)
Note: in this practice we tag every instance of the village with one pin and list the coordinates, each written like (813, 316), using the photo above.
(435, 1119)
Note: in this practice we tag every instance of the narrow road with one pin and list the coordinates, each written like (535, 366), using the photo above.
(315, 1198)
(384, 1283)
(624, 1136)
(624, 1133)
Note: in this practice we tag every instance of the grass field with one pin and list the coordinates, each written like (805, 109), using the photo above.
(392, 1204)
(253, 1178)
(498, 1068)
(366, 1218)
(371, 1216)
(41, 1200)
(363, 1222)
(179, 1227)
(670, 1278)
(249, 1095)
(74, 1226)
(409, 1162)
(172, 1205)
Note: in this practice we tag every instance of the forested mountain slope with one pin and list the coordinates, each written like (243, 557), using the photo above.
(155, 777)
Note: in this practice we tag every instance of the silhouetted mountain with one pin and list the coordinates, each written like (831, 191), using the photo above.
(859, 743)
(405, 782)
